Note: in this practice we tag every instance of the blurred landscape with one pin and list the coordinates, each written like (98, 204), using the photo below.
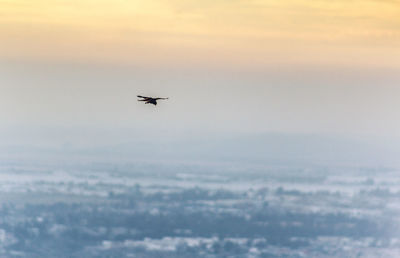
(122, 205)
(280, 136)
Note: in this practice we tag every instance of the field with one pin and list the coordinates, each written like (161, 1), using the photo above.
(144, 209)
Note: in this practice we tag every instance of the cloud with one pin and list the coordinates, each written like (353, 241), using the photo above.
(225, 32)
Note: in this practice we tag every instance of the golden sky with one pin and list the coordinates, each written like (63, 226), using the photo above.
(279, 65)
(223, 32)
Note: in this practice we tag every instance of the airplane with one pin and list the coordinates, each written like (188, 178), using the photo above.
(149, 100)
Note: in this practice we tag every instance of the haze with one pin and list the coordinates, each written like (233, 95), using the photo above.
(228, 67)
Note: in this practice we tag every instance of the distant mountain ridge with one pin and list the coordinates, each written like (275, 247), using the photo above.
(274, 148)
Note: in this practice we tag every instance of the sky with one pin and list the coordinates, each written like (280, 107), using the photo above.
(239, 33)
(253, 66)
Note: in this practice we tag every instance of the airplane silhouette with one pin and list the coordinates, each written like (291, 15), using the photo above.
(149, 100)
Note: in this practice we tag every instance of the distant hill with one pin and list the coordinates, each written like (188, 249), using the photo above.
(268, 148)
